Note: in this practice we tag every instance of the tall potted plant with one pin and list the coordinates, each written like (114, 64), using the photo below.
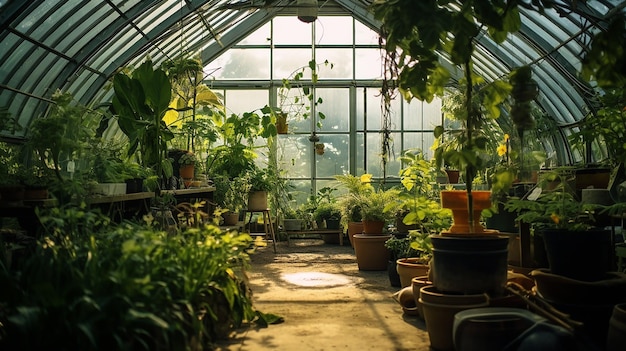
(353, 187)
(413, 46)
(140, 102)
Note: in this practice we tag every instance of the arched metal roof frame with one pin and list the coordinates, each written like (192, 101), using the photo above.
(78, 45)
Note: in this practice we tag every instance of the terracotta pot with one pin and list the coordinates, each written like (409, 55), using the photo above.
(354, 228)
(281, 123)
(453, 176)
(416, 284)
(186, 172)
(439, 310)
(257, 201)
(616, 336)
(373, 227)
(371, 253)
(588, 302)
(456, 200)
(408, 268)
(406, 299)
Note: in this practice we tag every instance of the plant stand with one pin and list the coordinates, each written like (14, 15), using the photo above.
(267, 225)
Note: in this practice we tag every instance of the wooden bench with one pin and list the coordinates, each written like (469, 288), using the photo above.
(316, 232)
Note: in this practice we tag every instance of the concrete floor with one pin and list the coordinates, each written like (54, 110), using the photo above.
(327, 303)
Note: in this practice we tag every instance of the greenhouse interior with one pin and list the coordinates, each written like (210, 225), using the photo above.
(265, 174)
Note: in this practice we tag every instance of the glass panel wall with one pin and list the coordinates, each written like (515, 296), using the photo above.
(346, 94)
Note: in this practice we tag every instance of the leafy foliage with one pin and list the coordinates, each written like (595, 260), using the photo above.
(553, 204)
(140, 102)
(93, 286)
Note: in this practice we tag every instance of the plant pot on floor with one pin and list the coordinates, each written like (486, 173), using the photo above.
(582, 255)
(392, 272)
(616, 336)
(469, 264)
(371, 253)
(417, 283)
(373, 227)
(439, 310)
(354, 228)
(410, 267)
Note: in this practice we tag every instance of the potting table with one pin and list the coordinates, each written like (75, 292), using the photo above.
(317, 232)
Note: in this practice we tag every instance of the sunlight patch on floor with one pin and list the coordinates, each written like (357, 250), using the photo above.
(316, 279)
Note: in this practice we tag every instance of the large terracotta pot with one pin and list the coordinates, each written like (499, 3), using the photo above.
(371, 253)
(439, 310)
(418, 283)
(354, 228)
(410, 267)
(373, 227)
(588, 302)
(456, 200)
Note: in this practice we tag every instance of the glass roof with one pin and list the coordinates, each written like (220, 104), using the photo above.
(77, 45)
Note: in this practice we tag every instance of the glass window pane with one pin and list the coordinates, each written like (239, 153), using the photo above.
(368, 108)
(419, 140)
(260, 36)
(336, 108)
(368, 64)
(288, 62)
(341, 60)
(333, 30)
(290, 30)
(240, 101)
(364, 35)
(241, 64)
(336, 157)
(294, 153)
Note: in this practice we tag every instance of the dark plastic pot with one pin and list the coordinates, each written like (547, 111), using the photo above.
(582, 255)
(469, 264)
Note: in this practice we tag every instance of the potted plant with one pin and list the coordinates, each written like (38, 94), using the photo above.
(260, 185)
(187, 163)
(378, 209)
(566, 227)
(453, 30)
(329, 214)
(350, 201)
(235, 199)
(140, 102)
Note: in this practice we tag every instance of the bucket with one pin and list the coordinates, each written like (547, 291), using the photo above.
(491, 328)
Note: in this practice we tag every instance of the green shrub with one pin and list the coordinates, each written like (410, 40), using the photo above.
(94, 286)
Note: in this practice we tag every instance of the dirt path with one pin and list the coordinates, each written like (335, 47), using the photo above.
(327, 303)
